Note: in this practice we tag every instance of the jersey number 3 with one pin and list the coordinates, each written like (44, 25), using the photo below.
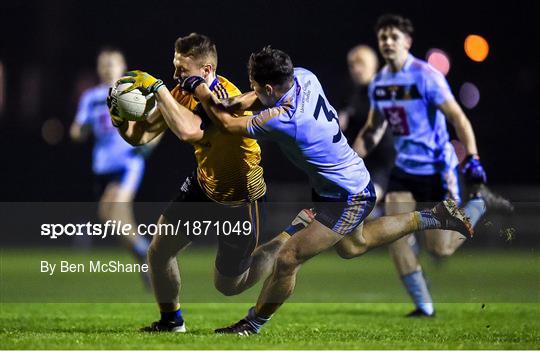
(329, 116)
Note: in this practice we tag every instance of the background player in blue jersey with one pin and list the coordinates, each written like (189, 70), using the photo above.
(414, 100)
(118, 167)
(294, 112)
(363, 65)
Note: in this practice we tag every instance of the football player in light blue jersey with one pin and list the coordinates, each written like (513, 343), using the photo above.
(414, 100)
(118, 166)
(294, 112)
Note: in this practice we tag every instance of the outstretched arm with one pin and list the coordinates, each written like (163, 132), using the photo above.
(218, 112)
(461, 123)
(244, 102)
(371, 134)
(471, 167)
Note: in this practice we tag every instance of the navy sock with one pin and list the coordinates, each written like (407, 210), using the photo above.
(292, 229)
(426, 220)
(256, 321)
(417, 289)
(175, 316)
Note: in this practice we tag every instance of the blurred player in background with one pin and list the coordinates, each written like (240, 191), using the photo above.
(294, 112)
(228, 180)
(363, 64)
(415, 100)
(118, 167)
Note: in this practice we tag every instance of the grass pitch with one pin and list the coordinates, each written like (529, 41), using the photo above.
(491, 302)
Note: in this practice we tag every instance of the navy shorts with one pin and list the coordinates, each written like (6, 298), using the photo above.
(343, 215)
(426, 188)
(128, 177)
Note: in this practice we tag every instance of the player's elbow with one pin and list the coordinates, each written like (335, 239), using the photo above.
(227, 126)
(75, 133)
(134, 141)
(232, 125)
(190, 136)
(136, 135)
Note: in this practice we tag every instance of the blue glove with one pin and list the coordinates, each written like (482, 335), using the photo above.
(473, 170)
(191, 83)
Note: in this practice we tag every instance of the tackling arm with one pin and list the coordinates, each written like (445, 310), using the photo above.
(371, 134)
(244, 102)
(219, 114)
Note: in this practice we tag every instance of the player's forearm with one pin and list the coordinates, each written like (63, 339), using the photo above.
(462, 125)
(179, 119)
(465, 133)
(367, 139)
(213, 107)
(141, 132)
(244, 102)
(363, 144)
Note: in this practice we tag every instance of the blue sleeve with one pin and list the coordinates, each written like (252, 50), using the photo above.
(264, 123)
(437, 88)
(83, 111)
(371, 96)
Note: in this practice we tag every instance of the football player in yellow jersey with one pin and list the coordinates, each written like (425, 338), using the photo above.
(228, 182)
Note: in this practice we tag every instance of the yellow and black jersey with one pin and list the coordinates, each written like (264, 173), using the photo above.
(228, 167)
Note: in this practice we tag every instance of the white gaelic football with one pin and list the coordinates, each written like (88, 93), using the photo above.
(134, 105)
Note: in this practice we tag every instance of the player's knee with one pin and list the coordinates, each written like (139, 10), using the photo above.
(441, 251)
(225, 289)
(156, 254)
(152, 253)
(287, 261)
(103, 211)
(351, 250)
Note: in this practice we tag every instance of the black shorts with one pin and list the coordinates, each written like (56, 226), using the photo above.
(343, 215)
(128, 177)
(102, 180)
(234, 249)
(426, 188)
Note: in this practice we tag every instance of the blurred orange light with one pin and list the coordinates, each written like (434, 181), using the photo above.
(476, 47)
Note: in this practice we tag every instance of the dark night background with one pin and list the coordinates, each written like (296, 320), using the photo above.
(48, 52)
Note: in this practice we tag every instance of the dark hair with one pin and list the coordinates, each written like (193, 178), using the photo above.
(397, 21)
(197, 46)
(271, 66)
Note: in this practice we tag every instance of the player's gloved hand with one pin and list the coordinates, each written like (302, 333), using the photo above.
(116, 120)
(191, 83)
(143, 81)
(473, 170)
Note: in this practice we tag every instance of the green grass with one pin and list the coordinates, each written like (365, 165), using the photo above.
(491, 301)
(297, 326)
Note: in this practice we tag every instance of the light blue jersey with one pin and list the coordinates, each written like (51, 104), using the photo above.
(305, 126)
(111, 152)
(408, 99)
